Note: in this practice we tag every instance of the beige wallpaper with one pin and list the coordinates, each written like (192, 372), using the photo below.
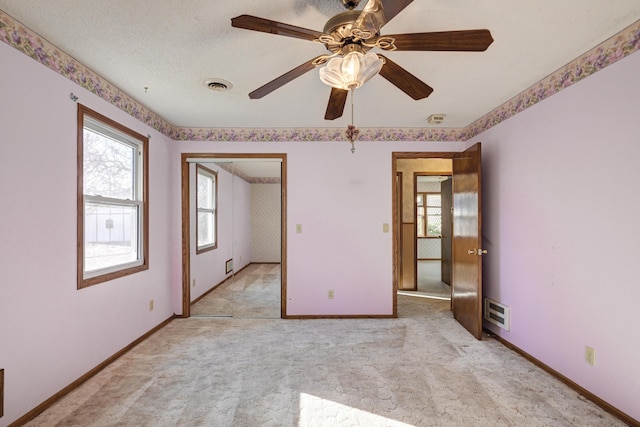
(429, 187)
(408, 167)
(429, 249)
(265, 222)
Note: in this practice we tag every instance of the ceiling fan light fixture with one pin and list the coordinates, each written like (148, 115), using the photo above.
(351, 71)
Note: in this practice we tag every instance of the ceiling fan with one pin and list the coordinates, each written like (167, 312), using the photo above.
(352, 34)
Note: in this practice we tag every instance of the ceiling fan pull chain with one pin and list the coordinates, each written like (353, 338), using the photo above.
(352, 92)
(352, 132)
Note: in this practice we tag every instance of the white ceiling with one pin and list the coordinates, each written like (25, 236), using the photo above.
(172, 47)
(249, 169)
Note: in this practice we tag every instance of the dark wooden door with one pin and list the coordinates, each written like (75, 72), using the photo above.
(398, 219)
(466, 294)
(447, 224)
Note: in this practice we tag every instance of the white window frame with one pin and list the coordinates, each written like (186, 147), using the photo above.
(97, 123)
(213, 175)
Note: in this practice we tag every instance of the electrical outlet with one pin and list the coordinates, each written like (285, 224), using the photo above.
(193, 283)
(385, 228)
(298, 228)
(150, 305)
(590, 355)
(330, 294)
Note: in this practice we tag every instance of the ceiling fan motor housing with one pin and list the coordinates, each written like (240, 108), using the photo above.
(339, 27)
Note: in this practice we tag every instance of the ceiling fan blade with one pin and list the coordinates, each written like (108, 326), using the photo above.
(377, 13)
(404, 80)
(393, 7)
(254, 23)
(466, 40)
(337, 100)
(283, 79)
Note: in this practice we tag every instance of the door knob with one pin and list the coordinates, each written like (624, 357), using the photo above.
(478, 252)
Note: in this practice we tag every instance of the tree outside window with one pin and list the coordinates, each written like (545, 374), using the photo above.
(112, 208)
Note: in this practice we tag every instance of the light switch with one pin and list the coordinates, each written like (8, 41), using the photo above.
(385, 228)
(299, 228)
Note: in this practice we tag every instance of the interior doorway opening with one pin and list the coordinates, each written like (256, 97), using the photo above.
(433, 202)
(466, 237)
(422, 244)
(236, 270)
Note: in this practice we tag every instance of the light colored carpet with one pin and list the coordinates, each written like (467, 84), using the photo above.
(253, 292)
(422, 369)
(429, 283)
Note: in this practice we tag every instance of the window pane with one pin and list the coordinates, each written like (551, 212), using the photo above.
(434, 224)
(206, 208)
(110, 235)
(205, 228)
(434, 211)
(205, 191)
(434, 200)
(421, 226)
(112, 242)
(419, 199)
(108, 167)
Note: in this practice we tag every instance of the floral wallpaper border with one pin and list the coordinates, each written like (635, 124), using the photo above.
(606, 53)
(23, 39)
(18, 36)
(314, 134)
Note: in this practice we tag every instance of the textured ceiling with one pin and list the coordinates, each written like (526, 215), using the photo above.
(172, 47)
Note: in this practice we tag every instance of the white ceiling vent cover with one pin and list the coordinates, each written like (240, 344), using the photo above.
(435, 119)
(496, 313)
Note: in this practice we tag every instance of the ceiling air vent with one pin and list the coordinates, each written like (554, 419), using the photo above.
(218, 85)
(496, 313)
(435, 119)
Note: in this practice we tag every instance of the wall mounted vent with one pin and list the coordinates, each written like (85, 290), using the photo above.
(496, 313)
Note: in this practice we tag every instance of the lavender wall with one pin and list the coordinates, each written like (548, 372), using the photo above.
(554, 177)
(561, 223)
(50, 332)
(341, 200)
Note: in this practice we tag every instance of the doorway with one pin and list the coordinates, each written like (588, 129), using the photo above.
(466, 251)
(417, 183)
(432, 204)
(240, 280)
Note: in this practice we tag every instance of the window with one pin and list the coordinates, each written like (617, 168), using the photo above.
(112, 199)
(429, 214)
(206, 205)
